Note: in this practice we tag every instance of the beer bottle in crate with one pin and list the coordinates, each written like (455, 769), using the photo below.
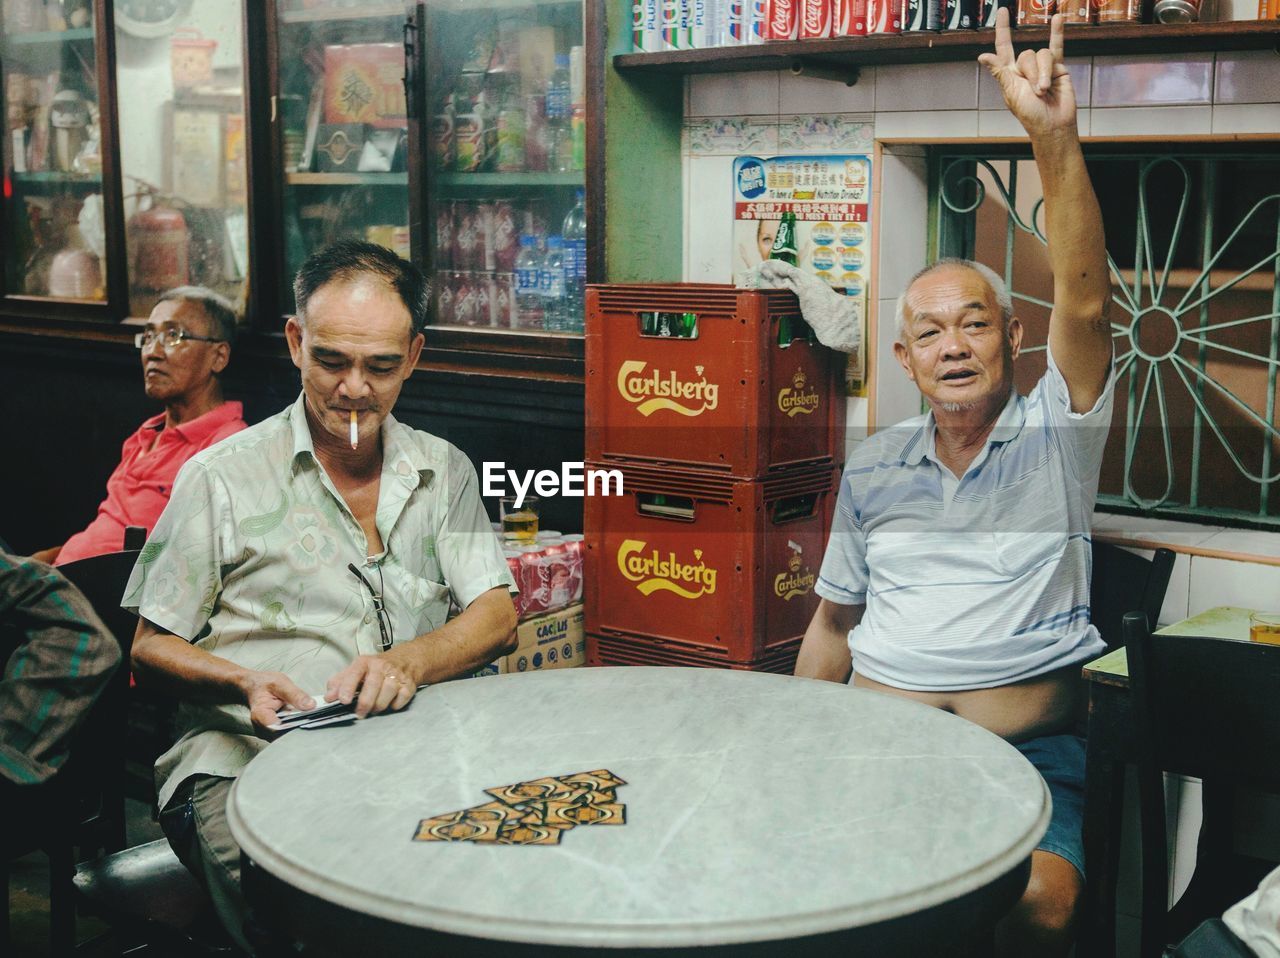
(784, 242)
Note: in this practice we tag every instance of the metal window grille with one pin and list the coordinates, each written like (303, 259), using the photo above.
(1194, 248)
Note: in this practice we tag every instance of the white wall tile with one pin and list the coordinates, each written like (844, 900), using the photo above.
(802, 94)
(1158, 530)
(1246, 118)
(1157, 121)
(897, 397)
(1081, 70)
(927, 86)
(904, 183)
(1217, 582)
(998, 123)
(1176, 596)
(1247, 77)
(734, 94)
(943, 124)
(1247, 541)
(709, 220)
(1148, 81)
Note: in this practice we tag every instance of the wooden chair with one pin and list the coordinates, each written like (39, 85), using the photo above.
(1210, 708)
(1124, 581)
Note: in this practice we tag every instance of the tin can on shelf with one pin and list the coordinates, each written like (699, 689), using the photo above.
(1177, 11)
(1036, 12)
(960, 14)
(816, 19)
(1117, 11)
(849, 18)
(884, 16)
(922, 15)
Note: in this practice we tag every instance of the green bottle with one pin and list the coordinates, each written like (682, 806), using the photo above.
(784, 241)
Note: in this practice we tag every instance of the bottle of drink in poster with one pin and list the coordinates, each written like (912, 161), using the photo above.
(529, 301)
(551, 285)
(784, 243)
(574, 232)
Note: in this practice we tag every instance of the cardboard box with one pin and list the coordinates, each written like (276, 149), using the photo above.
(364, 83)
(553, 640)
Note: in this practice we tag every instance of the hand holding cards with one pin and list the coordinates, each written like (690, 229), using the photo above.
(326, 713)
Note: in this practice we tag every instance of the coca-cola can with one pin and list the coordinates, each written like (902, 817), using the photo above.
(960, 14)
(884, 16)
(574, 548)
(532, 580)
(782, 19)
(816, 19)
(849, 18)
(1040, 12)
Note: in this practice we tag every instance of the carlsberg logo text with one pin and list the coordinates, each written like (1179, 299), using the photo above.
(654, 390)
(652, 572)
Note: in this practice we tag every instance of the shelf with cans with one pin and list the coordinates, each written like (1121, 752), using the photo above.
(825, 37)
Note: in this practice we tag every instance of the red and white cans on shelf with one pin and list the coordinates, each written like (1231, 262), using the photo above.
(548, 573)
(816, 19)
(884, 16)
(849, 18)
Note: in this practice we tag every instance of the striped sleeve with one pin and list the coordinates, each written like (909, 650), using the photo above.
(59, 658)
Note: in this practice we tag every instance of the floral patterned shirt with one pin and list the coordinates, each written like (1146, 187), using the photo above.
(249, 562)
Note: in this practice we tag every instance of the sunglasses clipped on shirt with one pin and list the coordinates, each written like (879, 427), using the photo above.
(171, 338)
(384, 619)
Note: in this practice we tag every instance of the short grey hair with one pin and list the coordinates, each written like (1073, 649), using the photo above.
(218, 310)
(1003, 299)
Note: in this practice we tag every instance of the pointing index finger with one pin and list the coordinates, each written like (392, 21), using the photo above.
(1004, 40)
(1055, 37)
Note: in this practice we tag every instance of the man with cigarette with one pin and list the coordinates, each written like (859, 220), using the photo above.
(312, 557)
(957, 572)
(185, 347)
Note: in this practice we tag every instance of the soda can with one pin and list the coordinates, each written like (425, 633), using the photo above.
(443, 143)
(646, 26)
(783, 19)
(960, 14)
(989, 8)
(470, 142)
(1039, 12)
(1117, 11)
(816, 19)
(684, 22)
(735, 21)
(502, 301)
(849, 18)
(500, 237)
(482, 292)
(757, 23)
(884, 16)
(1076, 11)
(702, 24)
(922, 15)
(445, 288)
(465, 304)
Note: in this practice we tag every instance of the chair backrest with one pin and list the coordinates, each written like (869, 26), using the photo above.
(1207, 706)
(98, 752)
(1123, 581)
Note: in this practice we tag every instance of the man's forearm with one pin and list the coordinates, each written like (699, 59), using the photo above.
(1073, 226)
(824, 652)
(170, 664)
(484, 631)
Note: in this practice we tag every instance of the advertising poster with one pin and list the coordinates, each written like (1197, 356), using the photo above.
(831, 197)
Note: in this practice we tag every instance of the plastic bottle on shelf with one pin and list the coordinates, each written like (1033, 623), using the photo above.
(577, 108)
(559, 134)
(551, 286)
(529, 301)
(574, 232)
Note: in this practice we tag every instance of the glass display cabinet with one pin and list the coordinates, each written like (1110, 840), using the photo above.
(56, 214)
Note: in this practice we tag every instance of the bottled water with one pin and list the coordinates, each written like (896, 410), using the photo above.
(575, 263)
(551, 286)
(529, 301)
(559, 135)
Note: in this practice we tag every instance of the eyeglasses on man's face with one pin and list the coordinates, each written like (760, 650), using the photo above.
(384, 618)
(171, 338)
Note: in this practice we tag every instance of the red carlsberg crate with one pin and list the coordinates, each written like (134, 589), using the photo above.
(645, 650)
(713, 565)
(710, 378)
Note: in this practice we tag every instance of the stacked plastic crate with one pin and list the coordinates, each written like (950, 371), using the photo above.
(725, 420)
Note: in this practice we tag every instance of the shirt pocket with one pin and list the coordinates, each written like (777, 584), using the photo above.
(1029, 533)
(427, 603)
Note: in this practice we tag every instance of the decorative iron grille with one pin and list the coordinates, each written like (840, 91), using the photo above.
(1194, 248)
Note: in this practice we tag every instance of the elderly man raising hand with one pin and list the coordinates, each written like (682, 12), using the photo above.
(958, 567)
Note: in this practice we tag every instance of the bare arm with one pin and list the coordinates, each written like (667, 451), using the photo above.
(824, 653)
(1037, 90)
(173, 665)
(481, 633)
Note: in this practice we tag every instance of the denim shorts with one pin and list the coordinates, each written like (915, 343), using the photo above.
(1060, 761)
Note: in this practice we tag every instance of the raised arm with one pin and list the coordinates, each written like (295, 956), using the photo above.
(1037, 90)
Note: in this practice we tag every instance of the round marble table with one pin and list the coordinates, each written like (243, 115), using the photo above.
(758, 807)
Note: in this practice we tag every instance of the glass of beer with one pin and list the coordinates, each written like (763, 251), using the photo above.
(1265, 627)
(519, 523)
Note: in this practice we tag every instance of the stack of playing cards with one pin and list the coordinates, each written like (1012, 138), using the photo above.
(532, 813)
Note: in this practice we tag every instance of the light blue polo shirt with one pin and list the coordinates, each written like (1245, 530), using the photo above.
(978, 582)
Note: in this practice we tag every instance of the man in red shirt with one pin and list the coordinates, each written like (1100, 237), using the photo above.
(186, 346)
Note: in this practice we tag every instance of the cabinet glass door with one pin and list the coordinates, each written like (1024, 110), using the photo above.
(506, 117)
(180, 84)
(343, 127)
(54, 233)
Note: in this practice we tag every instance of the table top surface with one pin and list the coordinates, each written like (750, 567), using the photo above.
(758, 807)
(1221, 622)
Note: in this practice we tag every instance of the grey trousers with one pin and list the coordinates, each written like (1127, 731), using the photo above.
(195, 822)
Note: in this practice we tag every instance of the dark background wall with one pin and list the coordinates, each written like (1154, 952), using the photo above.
(68, 404)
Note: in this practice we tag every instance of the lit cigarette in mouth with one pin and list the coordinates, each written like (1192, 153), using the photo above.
(355, 430)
